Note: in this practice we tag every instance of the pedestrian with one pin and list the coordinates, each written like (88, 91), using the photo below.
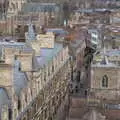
(76, 89)
(85, 93)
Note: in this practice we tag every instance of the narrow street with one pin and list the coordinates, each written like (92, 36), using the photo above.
(79, 105)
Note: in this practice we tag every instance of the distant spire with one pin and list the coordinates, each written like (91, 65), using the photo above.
(31, 33)
(105, 59)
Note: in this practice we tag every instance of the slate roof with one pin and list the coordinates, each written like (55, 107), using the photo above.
(40, 7)
(20, 78)
(113, 53)
(12, 44)
(19, 82)
(58, 31)
(105, 63)
(90, 11)
(109, 65)
(17, 45)
(4, 100)
(47, 54)
(110, 53)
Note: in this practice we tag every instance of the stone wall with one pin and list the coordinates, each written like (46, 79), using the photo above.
(112, 91)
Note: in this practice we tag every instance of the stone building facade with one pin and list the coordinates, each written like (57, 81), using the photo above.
(32, 86)
(40, 14)
(105, 82)
(14, 7)
(3, 9)
(90, 16)
(9, 9)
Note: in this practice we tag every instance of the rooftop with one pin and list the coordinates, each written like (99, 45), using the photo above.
(47, 54)
(4, 99)
(101, 59)
(89, 11)
(20, 78)
(19, 82)
(110, 65)
(109, 53)
(40, 7)
(114, 52)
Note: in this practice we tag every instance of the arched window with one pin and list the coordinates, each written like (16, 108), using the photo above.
(26, 98)
(45, 76)
(10, 114)
(48, 70)
(105, 81)
(52, 68)
(19, 104)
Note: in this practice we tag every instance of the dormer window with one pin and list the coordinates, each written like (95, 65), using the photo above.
(105, 81)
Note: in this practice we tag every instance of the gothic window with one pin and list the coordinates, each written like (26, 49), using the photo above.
(19, 67)
(10, 114)
(62, 57)
(45, 76)
(31, 93)
(26, 98)
(52, 68)
(45, 113)
(19, 104)
(48, 70)
(105, 81)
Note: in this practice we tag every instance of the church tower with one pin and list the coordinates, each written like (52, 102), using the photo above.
(15, 6)
(30, 35)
